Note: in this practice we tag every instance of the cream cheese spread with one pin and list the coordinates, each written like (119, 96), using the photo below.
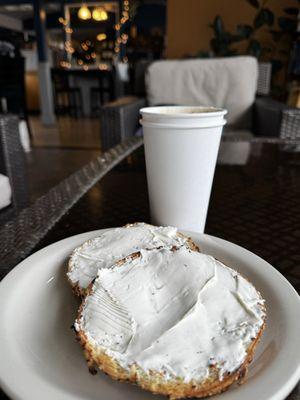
(175, 312)
(115, 244)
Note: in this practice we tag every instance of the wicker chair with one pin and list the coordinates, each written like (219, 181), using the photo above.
(290, 129)
(12, 164)
(120, 119)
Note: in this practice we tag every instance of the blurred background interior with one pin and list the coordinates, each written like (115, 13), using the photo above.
(76, 73)
(73, 76)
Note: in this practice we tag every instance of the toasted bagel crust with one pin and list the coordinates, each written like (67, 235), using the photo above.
(154, 381)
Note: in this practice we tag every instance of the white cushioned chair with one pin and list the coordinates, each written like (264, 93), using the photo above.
(230, 83)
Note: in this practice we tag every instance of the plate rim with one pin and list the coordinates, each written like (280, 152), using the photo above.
(19, 270)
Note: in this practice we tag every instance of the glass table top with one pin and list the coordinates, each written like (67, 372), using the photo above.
(255, 204)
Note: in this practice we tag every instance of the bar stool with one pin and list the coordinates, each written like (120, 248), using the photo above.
(96, 100)
(103, 93)
(67, 99)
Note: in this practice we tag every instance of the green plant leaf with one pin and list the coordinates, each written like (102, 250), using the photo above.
(259, 19)
(203, 54)
(255, 48)
(291, 10)
(233, 38)
(263, 17)
(218, 25)
(232, 52)
(244, 31)
(221, 46)
(287, 24)
(254, 3)
(269, 16)
(215, 45)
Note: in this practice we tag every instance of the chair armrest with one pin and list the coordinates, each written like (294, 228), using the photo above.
(268, 116)
(12, 160)
(119, 120)
(290, 124)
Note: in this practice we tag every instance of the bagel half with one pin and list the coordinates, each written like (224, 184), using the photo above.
(115, 244)
(173, 321)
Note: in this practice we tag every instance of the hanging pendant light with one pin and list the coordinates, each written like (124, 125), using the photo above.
(84, 12)
(100, 14)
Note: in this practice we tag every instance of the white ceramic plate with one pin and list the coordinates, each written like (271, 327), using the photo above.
(39, 358)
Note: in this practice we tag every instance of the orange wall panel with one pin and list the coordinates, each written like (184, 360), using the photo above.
(188, 21)
(32, 91)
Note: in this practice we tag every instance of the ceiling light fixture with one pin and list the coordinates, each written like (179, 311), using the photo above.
(84, 13)
(99, 14)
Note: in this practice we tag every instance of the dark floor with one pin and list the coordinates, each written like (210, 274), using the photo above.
(68, 132)
(46, 167)
(59, 151)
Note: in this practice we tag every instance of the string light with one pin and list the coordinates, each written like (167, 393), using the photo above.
(67, 44)
(66, 28)
(103, 67)
(101, 36)
(84, 13)
(68, 47)
(62, 21)
(118, 27)
(65, 64)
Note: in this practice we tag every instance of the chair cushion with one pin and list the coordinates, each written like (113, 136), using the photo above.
(24, 136)
(230, 83)
(5, 191)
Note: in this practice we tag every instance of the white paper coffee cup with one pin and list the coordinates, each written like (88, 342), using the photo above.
(181, 148)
